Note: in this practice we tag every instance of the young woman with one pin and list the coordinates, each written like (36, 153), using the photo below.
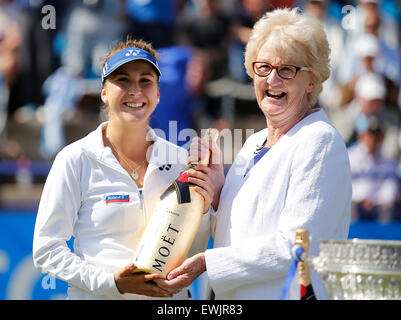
(103, 188)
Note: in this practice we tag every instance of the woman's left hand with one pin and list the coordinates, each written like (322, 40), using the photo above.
(200, 175)
(182, 276)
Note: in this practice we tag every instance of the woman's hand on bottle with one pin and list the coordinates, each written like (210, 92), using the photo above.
(214, 171)
(182, 276)
(200, 176)
(140, 283)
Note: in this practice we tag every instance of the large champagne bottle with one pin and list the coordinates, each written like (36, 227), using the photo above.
(307, 292)
(172, 228)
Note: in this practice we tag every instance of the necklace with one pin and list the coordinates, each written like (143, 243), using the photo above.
(134, 172)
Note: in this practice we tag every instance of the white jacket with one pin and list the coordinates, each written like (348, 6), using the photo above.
(73, 203)
(303, 181)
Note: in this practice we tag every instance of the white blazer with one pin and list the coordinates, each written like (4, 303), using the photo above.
(74, 202)
(303, 181)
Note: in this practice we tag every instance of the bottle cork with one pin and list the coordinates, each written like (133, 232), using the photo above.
(307, 292)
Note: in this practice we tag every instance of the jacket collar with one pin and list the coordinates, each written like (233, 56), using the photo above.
(93, 146)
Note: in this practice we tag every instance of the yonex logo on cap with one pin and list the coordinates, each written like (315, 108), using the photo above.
(132, 52)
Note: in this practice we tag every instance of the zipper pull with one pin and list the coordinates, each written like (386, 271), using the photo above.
(141, 197)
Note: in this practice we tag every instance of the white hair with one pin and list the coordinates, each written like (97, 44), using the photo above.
(297, 37)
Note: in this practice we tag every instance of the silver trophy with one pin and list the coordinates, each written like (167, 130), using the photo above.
(359, 269)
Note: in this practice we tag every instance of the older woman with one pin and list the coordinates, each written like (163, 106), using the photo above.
(293, 174)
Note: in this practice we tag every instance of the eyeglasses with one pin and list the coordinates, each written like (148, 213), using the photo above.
(263, 69)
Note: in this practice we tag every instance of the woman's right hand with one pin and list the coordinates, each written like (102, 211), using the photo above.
(198, 151)
(139, 283)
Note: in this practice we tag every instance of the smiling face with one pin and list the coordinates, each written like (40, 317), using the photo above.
(131, 93)
(282, 101)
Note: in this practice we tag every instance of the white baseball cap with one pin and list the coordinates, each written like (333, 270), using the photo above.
(367, 45)
(371, 86)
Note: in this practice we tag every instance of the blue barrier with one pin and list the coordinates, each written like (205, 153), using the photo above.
(20, 280)
(375, 230)
(39, 168)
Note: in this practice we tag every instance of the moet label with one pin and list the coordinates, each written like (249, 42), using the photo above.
(169, 233)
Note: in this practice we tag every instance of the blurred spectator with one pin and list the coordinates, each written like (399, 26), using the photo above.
(153, 20)
(370, 93)
(36, 59)
(375, 183)
(204, 27)
(369, 59)
(176, 110)
(388, 59)
(244, 17)
(366, 49)
(10, 40)
(248, 12)
(381, 17)
(335, 34)
(336, 37)
(91, 27)
(63, 90)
